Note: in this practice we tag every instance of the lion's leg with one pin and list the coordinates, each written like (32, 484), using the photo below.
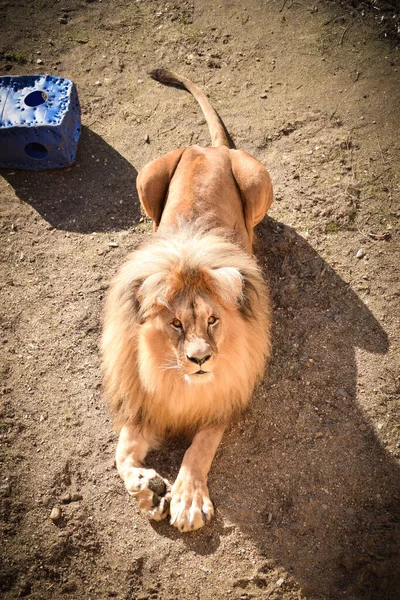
(151, 491)
(191, 506)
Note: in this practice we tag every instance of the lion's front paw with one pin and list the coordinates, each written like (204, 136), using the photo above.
(152, 492)
(191, 506)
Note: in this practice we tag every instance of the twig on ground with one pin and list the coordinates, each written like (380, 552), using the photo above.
(375, 236)
(344, 33)
(334, 19)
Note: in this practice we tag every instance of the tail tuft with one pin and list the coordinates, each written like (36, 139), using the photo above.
(217, 131)
(164, 76)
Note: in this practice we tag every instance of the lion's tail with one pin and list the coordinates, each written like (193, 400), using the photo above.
(217, 131)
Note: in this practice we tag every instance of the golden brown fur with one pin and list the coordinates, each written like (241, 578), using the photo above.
(136, 358)
(187, 318)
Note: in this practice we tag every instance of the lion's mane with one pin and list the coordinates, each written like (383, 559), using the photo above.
(173, 261)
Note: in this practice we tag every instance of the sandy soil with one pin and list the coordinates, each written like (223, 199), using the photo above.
(306, 486)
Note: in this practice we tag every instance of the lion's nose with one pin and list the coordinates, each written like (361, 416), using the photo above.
(199, 361)
(198, 350)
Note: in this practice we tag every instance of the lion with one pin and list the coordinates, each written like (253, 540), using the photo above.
(186, 328)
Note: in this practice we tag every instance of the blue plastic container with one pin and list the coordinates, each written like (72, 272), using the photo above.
(40, 122)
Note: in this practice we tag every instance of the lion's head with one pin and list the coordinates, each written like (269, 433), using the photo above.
(186, 329)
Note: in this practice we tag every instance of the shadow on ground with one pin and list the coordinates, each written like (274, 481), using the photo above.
(98, 193)
(303, 475)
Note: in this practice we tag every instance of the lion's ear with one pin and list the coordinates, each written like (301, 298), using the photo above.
(255, 186)
(153, 183)
(228, 284)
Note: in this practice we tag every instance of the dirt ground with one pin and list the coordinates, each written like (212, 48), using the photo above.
(306, 486)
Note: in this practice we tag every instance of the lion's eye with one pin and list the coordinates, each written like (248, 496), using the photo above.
(177, 324)
(212, 320)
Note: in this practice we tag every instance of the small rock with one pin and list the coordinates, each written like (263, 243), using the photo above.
(97, 83)
(264, 95)
(319, 434)
(65, 498)
(5, 490)
(113, 245)
(360, 253)
(280, 582)
(147, 139)
(63, 21)
(55, 514)
(39, 61)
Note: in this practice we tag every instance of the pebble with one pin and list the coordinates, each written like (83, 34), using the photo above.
(39, 61)
(55, 514)
(113, 245)
(360, 253)
(5, 490)
(63, 21)
(97, 83)
(147, 139)
(280, 582)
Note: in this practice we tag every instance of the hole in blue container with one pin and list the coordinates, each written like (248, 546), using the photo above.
(35, 150)
(35, 98)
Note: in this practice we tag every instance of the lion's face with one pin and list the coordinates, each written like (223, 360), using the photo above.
(186, 337)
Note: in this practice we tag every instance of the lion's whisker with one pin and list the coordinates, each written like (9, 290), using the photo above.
(168, 367)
